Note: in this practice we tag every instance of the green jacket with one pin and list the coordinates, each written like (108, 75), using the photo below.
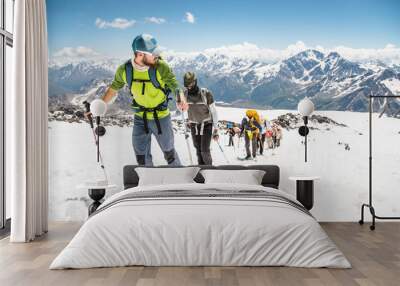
(151, 96)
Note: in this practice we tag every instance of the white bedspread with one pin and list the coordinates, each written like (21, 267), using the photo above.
(226, 231)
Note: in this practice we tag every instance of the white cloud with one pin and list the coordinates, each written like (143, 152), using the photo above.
(390, 54)
(189, 17)
(117, 23)
(73, 55)
(155, 20)
(76, 52)
(253, 52)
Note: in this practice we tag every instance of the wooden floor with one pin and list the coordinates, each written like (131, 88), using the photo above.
(375, 257)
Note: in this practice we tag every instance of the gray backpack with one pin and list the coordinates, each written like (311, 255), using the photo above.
(199, 111)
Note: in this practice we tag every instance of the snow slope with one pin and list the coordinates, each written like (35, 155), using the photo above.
(338, 195)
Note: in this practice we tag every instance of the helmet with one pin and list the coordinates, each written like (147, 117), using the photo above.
(189, 78)
(251, 113)
(145, 43)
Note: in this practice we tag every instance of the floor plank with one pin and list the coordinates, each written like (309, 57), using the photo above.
(374, 255)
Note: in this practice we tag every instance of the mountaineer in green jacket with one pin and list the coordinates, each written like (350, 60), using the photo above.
(150, 81)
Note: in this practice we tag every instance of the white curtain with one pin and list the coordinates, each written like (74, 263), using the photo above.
(27, 117)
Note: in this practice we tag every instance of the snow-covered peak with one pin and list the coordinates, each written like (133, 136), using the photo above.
(333, 55)
(88, 65)
(234, 78)
(310, 55)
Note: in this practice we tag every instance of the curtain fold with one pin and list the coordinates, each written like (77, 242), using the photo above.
(28, 157)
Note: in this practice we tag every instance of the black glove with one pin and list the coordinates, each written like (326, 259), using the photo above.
(215, 135)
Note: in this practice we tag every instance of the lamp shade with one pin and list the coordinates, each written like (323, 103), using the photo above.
(98, 107)
(305, 107)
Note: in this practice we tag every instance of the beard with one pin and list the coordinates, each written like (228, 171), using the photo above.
(149, 63)
(194, 90)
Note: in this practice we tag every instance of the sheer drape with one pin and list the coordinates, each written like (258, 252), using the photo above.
(27, 115)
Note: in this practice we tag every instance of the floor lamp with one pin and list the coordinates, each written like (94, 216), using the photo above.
(305, 108)
(98, 108)
(97, 189)
(369, 205)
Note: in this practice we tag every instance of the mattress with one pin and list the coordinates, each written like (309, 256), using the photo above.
(201, 225)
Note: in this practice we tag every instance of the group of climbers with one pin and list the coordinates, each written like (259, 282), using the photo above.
(152, 83)
(256, 131)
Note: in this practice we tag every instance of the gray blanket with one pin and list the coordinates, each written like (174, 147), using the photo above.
(208, 193)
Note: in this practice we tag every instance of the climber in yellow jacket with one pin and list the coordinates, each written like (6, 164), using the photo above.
(251, 127)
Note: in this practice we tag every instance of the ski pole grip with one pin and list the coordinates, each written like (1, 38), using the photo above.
(87, 107)
(178, 95)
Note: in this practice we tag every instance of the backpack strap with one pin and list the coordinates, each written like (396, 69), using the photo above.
(203, 92)
(129, 74)
(154, 79)
(157, 84)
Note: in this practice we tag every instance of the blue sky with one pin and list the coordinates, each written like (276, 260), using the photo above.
(268, 24)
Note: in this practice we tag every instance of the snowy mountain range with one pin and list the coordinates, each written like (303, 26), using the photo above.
(331, 81)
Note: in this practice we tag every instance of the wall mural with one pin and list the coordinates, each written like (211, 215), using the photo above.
(255, 101)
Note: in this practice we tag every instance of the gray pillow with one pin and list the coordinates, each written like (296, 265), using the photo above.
(166, 176)
(247, 177)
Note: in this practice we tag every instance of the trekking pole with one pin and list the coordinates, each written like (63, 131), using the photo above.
(178, 99)
(223, 153)
(87, 107)
(240, 153)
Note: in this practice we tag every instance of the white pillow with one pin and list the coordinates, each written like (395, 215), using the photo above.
(247, 177)
(166, 176)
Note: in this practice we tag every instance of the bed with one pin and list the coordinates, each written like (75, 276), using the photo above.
(201, 224)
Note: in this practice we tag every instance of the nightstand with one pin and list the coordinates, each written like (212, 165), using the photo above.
(96, 193)
(305, 190)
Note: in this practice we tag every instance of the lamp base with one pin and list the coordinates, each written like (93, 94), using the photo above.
(100, 130)
(304, 130)
(96, 195)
